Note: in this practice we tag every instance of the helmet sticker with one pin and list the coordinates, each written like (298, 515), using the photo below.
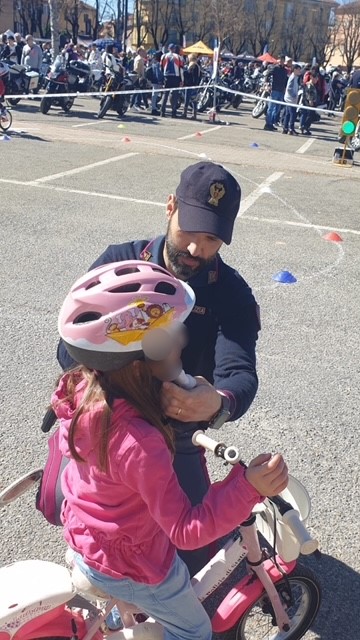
(130, 325)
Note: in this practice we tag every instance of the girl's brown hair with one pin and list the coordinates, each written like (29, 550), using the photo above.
(134, 383)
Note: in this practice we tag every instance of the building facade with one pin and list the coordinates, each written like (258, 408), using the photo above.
(298, 28)
(76, 18)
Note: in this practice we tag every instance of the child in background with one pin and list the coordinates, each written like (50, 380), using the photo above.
(124, 512)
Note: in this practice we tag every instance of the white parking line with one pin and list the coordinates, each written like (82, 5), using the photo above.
(305, 146)
(86, 167)
(88, 124)
(194, 135)
(264, 187)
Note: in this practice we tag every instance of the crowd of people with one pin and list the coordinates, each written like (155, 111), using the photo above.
(171, 70)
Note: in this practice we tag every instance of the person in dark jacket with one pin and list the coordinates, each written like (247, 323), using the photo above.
(222, 328)
(279, 77)
(192, 75)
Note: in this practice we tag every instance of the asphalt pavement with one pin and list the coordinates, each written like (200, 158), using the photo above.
(71, 185)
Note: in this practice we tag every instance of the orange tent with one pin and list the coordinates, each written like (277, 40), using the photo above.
(266, 57)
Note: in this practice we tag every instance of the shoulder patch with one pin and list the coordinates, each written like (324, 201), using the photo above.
(200, 310)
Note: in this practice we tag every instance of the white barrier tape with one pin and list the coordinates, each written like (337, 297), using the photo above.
(251, 96)
(78, 94)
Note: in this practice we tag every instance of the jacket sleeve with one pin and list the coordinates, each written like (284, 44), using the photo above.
(147, 469)
(235, 357)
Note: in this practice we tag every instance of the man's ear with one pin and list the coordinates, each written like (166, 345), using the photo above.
(171, 206)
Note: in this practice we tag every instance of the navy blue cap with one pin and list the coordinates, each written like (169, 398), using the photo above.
(208, 200)
(171, 45)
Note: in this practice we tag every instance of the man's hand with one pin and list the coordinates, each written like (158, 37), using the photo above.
(195, 405)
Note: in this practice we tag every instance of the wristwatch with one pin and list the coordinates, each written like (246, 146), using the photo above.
(222, 415)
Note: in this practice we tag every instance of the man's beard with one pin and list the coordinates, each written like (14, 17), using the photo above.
(180, 269)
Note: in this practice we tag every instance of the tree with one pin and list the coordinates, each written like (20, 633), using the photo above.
(153, 17)
(349, 35)
(54, 10)
(261, 20)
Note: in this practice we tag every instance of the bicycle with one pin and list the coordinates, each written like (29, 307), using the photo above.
(277, 600)
(5, 119)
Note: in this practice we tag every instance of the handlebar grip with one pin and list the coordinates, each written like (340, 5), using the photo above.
(308, 544)
(229, 454)
(200, 439)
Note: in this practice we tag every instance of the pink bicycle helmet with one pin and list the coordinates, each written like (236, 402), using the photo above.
(108, 312)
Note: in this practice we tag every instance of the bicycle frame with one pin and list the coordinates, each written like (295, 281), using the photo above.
(45, 611)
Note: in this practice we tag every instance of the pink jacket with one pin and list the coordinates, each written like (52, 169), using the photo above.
(127, 522)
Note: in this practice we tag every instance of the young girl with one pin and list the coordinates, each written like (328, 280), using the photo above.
(124, 512)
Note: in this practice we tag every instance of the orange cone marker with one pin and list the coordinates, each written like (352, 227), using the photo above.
(333, 237)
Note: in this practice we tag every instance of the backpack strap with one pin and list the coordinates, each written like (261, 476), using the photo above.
(49, 420)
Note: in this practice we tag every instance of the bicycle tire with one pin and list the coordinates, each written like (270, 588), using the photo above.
(5, 125)
(256, 620)
(105, 106)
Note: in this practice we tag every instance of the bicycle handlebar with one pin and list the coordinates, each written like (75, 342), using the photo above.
(229, 454)
(289, 515)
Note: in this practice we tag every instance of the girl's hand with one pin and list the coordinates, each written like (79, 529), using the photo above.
(268, 474)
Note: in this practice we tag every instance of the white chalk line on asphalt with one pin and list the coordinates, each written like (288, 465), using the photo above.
(305, 146)
(86, 167)
(196, 134)
(302, 225)
(264, 187)
(110, 196)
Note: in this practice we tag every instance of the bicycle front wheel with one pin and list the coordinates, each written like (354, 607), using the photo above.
(6, 120)
(258, 621)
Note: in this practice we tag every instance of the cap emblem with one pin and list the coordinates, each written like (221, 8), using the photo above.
(217, 191)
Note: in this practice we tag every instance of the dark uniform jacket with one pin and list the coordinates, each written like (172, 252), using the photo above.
(223, 326)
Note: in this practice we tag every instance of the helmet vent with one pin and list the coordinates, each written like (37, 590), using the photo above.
(126, 288)
(89, 316)
(92, 284)
(123, 271)
(165, 287)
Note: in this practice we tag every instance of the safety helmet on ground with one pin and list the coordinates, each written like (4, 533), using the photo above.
(110, 309)
(4, 68)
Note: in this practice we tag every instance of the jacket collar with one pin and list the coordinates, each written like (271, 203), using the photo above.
(154, 252)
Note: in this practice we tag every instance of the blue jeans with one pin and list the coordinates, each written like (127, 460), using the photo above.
(273, 111)
(290, 117)
(172, 603)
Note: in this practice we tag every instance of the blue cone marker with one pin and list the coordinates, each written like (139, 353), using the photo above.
(285, 277)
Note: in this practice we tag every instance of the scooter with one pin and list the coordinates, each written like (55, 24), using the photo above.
(20, 81)
(277, 599)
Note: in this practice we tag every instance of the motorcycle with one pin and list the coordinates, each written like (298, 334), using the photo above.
(65, 77)
(20, 81)
(115, 81)
(264, 91)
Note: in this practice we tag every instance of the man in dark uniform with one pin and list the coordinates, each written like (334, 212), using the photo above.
(224, 324)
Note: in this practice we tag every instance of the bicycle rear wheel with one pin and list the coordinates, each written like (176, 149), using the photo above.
(257, 621)
(6, 121)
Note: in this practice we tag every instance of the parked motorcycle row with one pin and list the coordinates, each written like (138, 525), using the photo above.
(66, 77)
